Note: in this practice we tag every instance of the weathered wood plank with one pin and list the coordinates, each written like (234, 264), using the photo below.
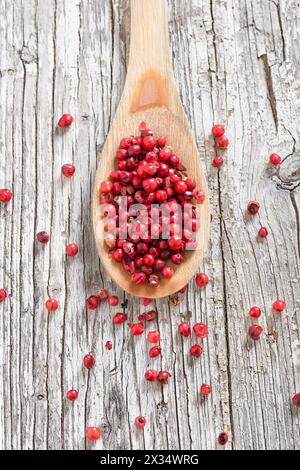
(235, 62)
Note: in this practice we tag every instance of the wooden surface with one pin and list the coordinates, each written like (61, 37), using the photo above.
(150, 95)
(236, 62)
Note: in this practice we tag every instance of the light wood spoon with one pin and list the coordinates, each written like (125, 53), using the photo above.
(150, 95)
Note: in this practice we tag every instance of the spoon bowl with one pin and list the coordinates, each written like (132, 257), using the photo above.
(150, 95)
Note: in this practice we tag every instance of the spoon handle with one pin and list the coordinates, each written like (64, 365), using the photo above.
(150, 81)
(149, 39)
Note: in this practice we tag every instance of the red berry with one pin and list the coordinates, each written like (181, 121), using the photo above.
(3, 295)
(153, 336)
(51, 304)
(275, 159)
(167, 272)
(218, 161)
(42, 237)
(165, 154)
(161, 195)
(163, 377)
(202, 279)
(191, 184)
(71, 249)
(119, 318)
(68, 170)
(139, 278)
(113, 300)
(72, 394)
(125, 143)
(93, 302)
(108, 345)
(263, 232)
(93, 433)
(65, 120)
(176, 243)
(103, 294)
(155, 351)
(149, 142)
(255, 332)
(89, 361)
(177, 258)
(279, 305)
(223, 438)
(255, 312)
(146, 301)
(148, 260)
(161, 141)
(222, 142)
(140, 422)
(296, 399)
(180, 187)
(217, 130)
(196, 350)
(200, 330)
(136, 329)
(205, 390)
(253, 207)
(148, 316)
(106, 186)
(5, 195)
(199, 195)
(184, 329)
(151, 375)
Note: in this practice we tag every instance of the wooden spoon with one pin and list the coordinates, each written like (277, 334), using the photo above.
(150, 95)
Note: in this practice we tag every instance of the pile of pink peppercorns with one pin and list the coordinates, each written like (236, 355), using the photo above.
(182, 189)
(148, 173)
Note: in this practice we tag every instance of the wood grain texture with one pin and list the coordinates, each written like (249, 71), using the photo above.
(235, 62)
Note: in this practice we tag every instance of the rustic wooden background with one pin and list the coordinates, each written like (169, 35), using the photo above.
(236, 62)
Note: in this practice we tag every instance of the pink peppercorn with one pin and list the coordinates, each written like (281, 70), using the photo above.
(223, 438)
(136, 329)
(184, 329)
(205, 390)
(92, 302)
(263, 232)
(72, 249)
(296, 400)
(51, 304)
(151, 375)
(65, 120)
(275, 159)
(253, 207)
(200, 330)
(72, 394)
(217, 130)
(255, 312)
(140, 422)
(3, 295)
(196, 350)
(218, 161)
(42, 237)
(89, 361)
(5, 195)
(153, 336)
(222, 142)
(68, 170)
(202, 279)
(113, 300)
(279, 305)
(93, 433)
(255, 332)
(154, 351)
